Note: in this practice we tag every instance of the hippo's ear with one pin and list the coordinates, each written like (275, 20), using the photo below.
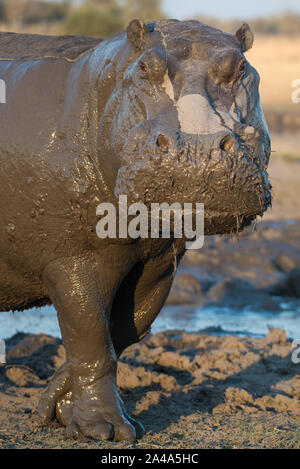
(245, 36)
(136, 31)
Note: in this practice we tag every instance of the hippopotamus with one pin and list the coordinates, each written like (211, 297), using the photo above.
(167, 111)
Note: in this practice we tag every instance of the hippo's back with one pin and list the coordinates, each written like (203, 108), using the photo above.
(14, 46)
(36, 71)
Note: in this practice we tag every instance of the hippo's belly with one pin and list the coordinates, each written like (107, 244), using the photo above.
(18, 292)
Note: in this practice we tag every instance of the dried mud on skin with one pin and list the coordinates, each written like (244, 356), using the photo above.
(190, 390)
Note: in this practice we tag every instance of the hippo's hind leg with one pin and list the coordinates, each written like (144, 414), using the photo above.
(82, 289)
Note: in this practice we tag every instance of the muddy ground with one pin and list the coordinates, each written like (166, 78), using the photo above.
(193, 390)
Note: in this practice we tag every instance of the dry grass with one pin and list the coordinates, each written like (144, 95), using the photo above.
(277, 60)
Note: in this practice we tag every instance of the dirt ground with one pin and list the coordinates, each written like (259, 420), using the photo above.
(191, 390)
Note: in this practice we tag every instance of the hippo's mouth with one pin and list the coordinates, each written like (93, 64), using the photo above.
(220, 223)
(233, 186)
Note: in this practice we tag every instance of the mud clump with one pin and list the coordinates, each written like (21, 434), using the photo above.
(185, 290)
(21, 376)
(289, 286)
(38, 352)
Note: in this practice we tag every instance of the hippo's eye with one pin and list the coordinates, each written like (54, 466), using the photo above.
(143, 67)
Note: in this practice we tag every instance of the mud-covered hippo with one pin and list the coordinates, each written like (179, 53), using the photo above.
(165, 112)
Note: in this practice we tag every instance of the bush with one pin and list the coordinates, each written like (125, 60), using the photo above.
(91, 21)
(36, 12)
(32, 11)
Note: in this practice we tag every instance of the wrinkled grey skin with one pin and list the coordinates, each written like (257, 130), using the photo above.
(167, 112)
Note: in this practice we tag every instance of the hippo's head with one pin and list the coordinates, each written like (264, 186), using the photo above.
(188, 124)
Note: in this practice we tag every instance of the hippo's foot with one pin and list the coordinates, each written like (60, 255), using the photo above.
(100, 415)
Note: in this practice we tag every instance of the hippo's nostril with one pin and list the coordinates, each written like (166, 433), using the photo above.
(162, 143)
(227, 143)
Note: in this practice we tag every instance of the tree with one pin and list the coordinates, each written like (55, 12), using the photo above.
(2, 11)
(14, 10)
(108, 4)
(147, 10)
(91, 20)
(102, 18)
(33, 11)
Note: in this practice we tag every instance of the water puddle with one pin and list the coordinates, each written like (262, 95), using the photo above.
(215, 320)
(223, 320)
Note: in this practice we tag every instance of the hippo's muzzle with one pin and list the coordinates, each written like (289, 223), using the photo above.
(226, 171)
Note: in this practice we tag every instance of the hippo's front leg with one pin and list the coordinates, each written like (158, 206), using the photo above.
(82, 289)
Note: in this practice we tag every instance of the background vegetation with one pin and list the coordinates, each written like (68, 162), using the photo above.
(99, 18)
(105, 17)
